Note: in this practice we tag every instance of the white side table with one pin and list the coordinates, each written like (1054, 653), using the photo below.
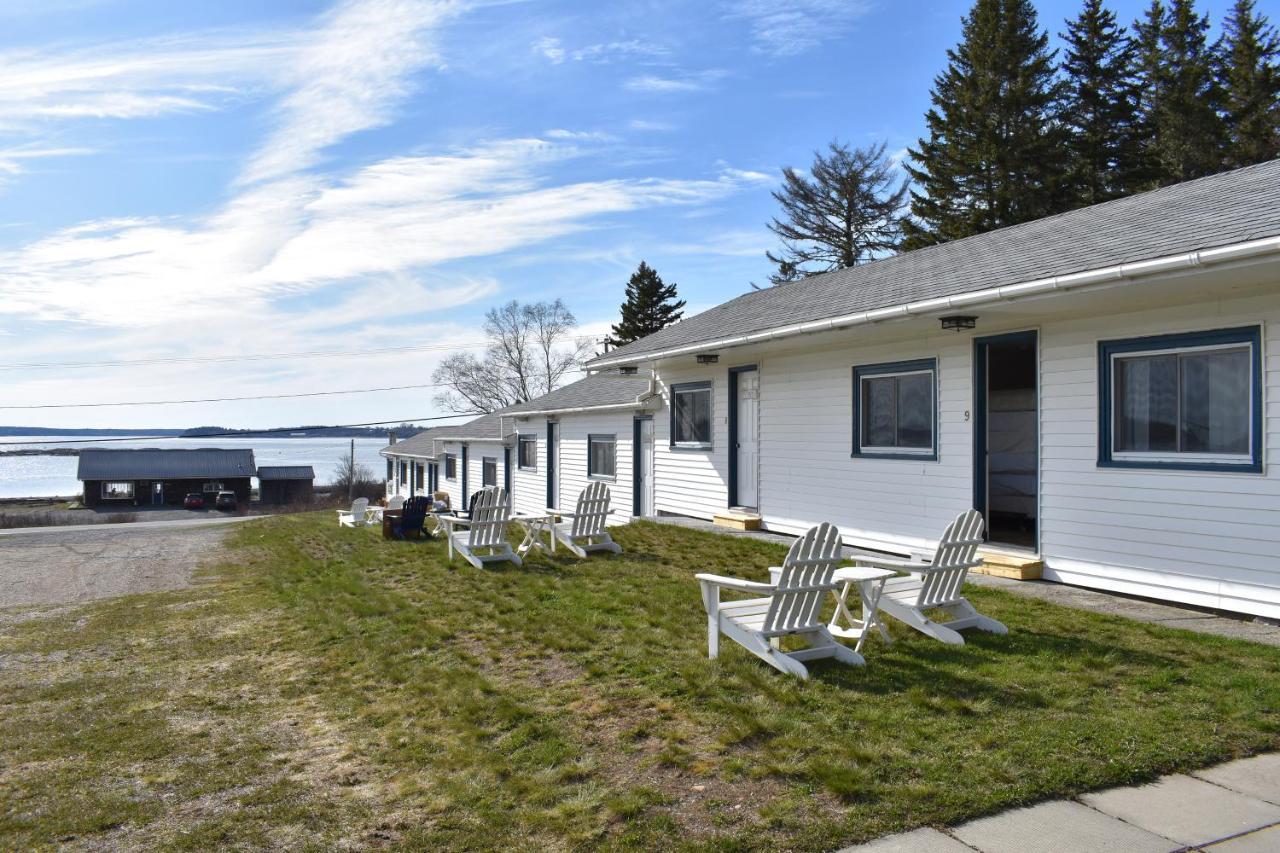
(534, 526)
(870, 584)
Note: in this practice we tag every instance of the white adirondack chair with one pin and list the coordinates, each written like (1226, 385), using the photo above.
(789, 607)
(585, 529)
(395, 502)
(937, 584)
(354, 517)
(483, 538)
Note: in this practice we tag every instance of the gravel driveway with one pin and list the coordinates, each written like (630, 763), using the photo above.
(67, 566)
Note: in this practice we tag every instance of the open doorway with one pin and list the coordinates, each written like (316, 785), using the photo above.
(1007, 438)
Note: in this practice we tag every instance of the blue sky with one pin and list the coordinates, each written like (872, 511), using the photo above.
(199, 179)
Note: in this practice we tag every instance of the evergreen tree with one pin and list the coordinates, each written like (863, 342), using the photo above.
(1185, 133)
(995, 155)
(1099, 107)
(651, 305)
(1250, 81)
(1147, 70)
(848, 210)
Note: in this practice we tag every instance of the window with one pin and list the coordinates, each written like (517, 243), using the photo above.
(422, 476)
(527, 458)
(390, 470)
(1191, 401)
(212, 488)
(404, 473)
(450, 466)
(895, 410)
(488, 471)
(602, 456)
(691, 415)
(117, 491)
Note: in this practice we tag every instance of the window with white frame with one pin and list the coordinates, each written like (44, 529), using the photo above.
(527, 452)
(450, 466)
(602, 456)
(895, 409)
(117, 491)
(1182, 401)
(488, 471)
(691, 415)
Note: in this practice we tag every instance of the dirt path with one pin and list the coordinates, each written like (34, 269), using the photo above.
(80, 565)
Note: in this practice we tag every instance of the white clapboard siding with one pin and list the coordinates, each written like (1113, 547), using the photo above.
(454, 486)
(529, 486)
(692, 482)
(574, 429)
(807, 472)
(1198, 537)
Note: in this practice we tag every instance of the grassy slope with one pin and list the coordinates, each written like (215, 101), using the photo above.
(333, 687)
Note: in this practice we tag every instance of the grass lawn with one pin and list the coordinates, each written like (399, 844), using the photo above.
(327, 687)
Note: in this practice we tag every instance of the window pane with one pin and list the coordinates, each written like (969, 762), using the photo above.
(528, 451)
(878, 412)
(693, 416)
(915, 410)
(601, 457)
(1146, 403)
(489, 472)
(1216, 401)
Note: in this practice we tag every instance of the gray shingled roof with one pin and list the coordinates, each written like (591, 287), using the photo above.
(420, 444)
(164, 464)
(1219, 210)
(484, 428)
(601, 389)
(286, 472)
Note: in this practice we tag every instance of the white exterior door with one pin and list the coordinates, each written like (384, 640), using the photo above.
(747, 439)
(644, 466)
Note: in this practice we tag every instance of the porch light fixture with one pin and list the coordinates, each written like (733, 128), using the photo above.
(708, 358)
(959, 322)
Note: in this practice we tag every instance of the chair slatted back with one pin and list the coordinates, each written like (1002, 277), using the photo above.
(395, 502)
(806, 577)
(490, 514)
(956, 554)
(358, 507)
(593, 509)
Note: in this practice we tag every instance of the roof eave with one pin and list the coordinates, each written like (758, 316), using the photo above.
(1218, 256)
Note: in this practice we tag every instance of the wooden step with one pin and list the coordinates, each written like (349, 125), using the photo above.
(738, 520)
(1013, 566)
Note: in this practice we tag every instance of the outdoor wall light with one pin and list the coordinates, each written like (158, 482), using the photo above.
(959, 322)
(708, 359)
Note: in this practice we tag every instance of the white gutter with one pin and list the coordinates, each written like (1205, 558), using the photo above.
(1004, 293)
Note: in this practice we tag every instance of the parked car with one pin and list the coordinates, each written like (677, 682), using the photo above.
(225, 500)
(193, 500)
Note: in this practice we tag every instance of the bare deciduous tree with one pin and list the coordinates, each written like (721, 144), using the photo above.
(531, 349)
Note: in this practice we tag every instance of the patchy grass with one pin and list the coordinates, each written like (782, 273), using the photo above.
(328, 688)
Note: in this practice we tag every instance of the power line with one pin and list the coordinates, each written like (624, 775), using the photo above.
(223, 399)
(262, 356)
(235, 433)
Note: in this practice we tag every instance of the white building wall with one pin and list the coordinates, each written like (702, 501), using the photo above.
(529, 486)
(1204, 538)
(574, 429)
(692, 482)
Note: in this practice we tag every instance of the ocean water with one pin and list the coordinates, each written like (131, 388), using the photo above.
(42, 476)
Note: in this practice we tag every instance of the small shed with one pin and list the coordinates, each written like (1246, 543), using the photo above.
(286, 484)
(162, 476)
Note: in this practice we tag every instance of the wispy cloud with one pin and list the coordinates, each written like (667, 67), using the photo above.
(660, 85)
(789, 27)
(348, 77)
(13, 160)
(649, 125)
(550, 49)
(553, 50)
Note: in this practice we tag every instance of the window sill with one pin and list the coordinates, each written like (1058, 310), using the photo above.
(602, 478)
(689, 446)
(1249, 467)
(929, 456)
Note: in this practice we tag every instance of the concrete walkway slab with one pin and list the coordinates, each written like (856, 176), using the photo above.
(1187, 810)
(1262, 841)
(916, 841)
(1257, 777)
(1059, 826)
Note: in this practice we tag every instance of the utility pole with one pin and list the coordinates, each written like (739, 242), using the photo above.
(351, 481)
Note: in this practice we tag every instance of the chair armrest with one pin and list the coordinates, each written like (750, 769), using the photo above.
(451, 520)
(897, 565)
(735, 583)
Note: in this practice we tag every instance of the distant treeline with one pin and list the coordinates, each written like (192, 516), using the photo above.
(401, 431)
